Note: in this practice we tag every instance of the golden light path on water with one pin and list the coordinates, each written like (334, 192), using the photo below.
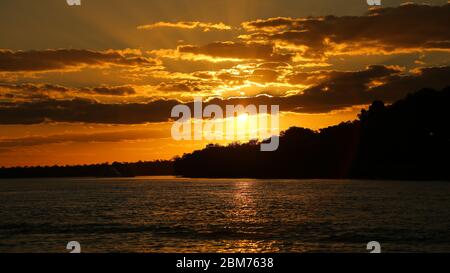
(247, 211)
(182, 215)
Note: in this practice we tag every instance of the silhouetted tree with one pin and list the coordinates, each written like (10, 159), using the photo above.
(115, 169)
(409, 139)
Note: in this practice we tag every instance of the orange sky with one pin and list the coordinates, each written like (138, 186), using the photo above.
(96, 83)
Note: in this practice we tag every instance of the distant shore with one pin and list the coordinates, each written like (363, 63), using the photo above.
(116, 169)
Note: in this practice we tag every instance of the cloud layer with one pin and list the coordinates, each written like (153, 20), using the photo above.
(408, 27)
(336, 90)
(204, 26)
(67, 59)
(282, 60)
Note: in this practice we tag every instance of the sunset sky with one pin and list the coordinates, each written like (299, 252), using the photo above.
(97, 82)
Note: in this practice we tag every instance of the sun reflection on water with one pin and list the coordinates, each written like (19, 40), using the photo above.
(249, 246)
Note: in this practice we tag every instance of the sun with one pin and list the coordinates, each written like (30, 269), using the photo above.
(242, 125)
(242, 118)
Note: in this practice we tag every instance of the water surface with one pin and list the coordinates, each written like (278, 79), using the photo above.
(168, 214)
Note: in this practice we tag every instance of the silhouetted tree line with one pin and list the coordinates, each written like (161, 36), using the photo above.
(115, 169)
(409, 139)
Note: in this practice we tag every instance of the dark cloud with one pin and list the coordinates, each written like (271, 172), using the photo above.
(408, 26)
(264, 75)
(6, 144)
(273, 65)
(397, 85)
(110, 90)
(203, 75)
(88, 111)
(34, 90)
(270, 24)
(62, 59)
(204, 26)
(234, 50)
(336, 91)
(232, 78)
(30, 87)
(29, 91)
(183, 86)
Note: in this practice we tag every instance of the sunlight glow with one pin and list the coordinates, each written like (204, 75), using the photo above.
(242, 119)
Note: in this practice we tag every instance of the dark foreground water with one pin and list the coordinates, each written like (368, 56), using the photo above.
(166, 214)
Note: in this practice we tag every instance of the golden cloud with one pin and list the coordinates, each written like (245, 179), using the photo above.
(187, 25)
(338, 90)
(407, 28)
(69, 59)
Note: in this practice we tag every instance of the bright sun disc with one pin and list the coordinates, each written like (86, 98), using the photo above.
(242, 118)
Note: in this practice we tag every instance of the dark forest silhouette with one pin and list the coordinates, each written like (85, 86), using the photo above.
(409, 139)
(96, 170)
